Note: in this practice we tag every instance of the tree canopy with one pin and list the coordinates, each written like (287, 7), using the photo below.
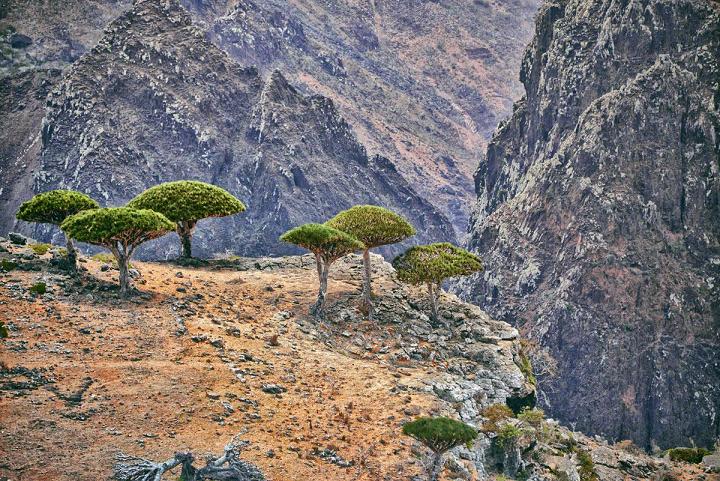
(434, 263)
(116, 224)
(188, 200)
(372, 225)
(54, 206)
(323, 240)
(440, 434)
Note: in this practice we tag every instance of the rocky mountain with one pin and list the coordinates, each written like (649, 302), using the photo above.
(422, 83)
(154, 101)
(597, 216)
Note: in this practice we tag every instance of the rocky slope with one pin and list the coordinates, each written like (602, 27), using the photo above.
(38, 42)
(597, 216)
(154, 101)
(201, 355)
(422, 82)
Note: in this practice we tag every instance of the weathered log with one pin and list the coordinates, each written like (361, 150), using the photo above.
(227, 467)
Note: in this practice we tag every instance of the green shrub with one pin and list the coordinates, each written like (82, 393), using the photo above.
(432, 264)
(373, 226)
(40, 249)
(3, 330)
(119, 229)
(508, 434)
(328, 245)
(53, 207)
(586, 467)
(39, 288)
(185, 202)
(532, 417)
(526, 368)
(688, 455)
(495, 414)
(7, 265)
(105, 258)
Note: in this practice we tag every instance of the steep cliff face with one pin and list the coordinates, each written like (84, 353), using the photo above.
(597, 215)
(423, 82)
(154, 101)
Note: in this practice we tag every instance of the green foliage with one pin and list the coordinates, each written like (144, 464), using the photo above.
(508, 434)
(7, 265)
(372, 225)
(495, 414)
(188, 200)
(687, 455)
(440, 434)
(38, 288)
(325, 241)
(55, 206)
(40, 249)
(526, 368)
(434, 263)
(3, 330)
(532, 417)
(104, 257)
(586, 467)
(116, 224)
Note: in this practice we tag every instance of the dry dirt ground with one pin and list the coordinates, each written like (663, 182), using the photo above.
(109, 375)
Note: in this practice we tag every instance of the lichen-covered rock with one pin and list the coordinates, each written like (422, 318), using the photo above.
(154, 101)
(597, 216)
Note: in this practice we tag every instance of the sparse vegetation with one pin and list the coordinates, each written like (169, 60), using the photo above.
(687, 455)
(53, 207)
(586, 467)
(3, 330)
(40, 248)
(432, 264)
(7, 265)
(495, 415)
(39, 288)
(373, 226)
(119, 229)
(328, 245)
(439, 435)
(185, 202)
(508, 435)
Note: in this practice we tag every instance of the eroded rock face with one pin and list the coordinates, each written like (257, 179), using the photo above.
(597, 216)
(154, 101)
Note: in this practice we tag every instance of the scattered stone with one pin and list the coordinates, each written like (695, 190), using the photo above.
(273, 389)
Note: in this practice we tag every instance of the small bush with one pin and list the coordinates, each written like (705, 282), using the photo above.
(532, 417)
(687, 455)
(40, 249)
(508, 434)
(38, 288)
(586, 468)
(3, 330)
(7, 266)
(105, 257)
(495, 414)
(526, 368)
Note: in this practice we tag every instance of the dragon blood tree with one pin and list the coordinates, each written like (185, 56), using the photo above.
(439, 435)
(432, 264)
(185, 202)
(53, 207)
(328, 245)
(373, 226)
(119, 229)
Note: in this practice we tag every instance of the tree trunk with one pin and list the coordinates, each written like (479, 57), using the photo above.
(435, 467)
(71, 253)
(317, 308)
(367, 286)
(185, 230)
(433, 301)
(122, 261)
